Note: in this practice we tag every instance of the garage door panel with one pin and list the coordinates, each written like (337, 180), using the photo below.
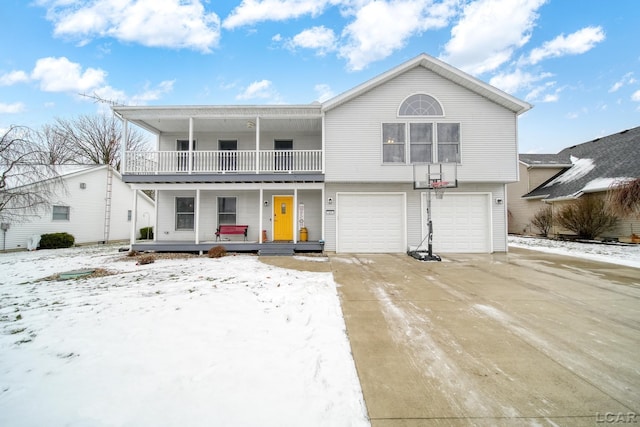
(461, 223)
(371, 222)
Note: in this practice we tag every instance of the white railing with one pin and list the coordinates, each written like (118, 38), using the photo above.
(263, 161)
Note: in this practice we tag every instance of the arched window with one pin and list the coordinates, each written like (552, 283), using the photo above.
(420, 104)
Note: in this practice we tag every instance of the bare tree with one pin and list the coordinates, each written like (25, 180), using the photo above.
(624, 199)
(26, 184)
(93, 139)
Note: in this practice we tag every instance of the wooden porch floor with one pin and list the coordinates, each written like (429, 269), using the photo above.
(275, 248)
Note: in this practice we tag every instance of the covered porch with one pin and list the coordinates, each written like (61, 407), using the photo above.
(279, 218)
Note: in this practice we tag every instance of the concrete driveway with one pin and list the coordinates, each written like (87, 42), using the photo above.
(523, 338)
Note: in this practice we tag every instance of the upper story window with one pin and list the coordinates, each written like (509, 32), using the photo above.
(393, 141)
(420, 104)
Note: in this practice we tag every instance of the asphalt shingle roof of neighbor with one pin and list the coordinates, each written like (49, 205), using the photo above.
(595, 165)
(542, 160)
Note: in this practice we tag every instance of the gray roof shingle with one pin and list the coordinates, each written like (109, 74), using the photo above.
(595, 166)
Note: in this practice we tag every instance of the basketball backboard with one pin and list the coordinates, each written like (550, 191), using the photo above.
(435, 176)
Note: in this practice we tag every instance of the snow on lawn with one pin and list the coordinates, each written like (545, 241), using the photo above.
(180, 342)
(621, 254)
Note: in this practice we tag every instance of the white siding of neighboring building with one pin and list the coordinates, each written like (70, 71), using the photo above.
(87, 211)
(354, 132)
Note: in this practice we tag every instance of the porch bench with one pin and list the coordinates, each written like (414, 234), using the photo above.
(231, 229)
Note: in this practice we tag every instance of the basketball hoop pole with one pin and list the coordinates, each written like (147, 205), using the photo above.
(430, 255)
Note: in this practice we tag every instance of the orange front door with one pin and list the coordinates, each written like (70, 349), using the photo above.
(283, 218)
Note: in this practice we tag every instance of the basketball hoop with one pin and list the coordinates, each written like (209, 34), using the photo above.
(439, 187)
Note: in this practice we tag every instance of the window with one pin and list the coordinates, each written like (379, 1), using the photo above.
(182, 145)
(129, 215)
(449, 142)
(393, 142)
(60, 213)
(421, 139)
(226, 210)
(228, 156)
(185, 213)
(420, 105)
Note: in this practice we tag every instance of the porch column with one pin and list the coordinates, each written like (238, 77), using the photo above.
(258, 147)
(190, 144)
(196, 224)
(295, 215)
(261, 212)
(324, 156)
(123, 144)
(323, 213)
(134, 217)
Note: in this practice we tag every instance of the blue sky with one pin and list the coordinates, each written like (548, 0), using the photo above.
(577, 62)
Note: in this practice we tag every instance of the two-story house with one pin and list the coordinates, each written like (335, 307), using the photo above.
(338, 175)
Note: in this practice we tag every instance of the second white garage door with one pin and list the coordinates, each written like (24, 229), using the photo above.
(371, 223)
(461, 223)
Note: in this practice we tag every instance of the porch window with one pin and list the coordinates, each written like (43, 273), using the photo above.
(60, 213)
(393, 142)
(226, 210)
(449, 142)
(182, 146)
(421, 139)
(185, 213)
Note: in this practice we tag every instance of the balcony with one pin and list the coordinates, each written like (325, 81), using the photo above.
(223, 162)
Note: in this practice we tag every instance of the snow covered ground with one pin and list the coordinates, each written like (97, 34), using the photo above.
(179, 342)
(628, 255)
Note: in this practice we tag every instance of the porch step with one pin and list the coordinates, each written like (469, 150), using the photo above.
(276, 249)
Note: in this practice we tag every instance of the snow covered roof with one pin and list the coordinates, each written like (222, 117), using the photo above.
(594, 166)
(544, 160)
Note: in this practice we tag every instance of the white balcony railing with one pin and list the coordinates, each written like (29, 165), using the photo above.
(263, 161)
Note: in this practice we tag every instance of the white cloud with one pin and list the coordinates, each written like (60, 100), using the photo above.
(324, 92)
(375, 33)
(167, 23)
(62, 75)
(636, 96)
(253, 11)
(320, 38)
(489, 32)
(513, 82)
(627, 79)
(262, 89)
(16, 107)
(13, 77)
(153, 93)
(576, 43)
(536, 94)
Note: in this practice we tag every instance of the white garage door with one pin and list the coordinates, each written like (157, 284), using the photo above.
(461, 223)
(371, 222)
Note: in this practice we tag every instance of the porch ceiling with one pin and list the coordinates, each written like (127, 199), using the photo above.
(225, 119)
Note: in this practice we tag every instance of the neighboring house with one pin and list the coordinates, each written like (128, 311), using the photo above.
(91, 203)
(590, 170)
(534, 169)
(334, 176)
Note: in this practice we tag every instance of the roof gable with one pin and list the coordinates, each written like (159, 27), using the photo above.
(440, 68)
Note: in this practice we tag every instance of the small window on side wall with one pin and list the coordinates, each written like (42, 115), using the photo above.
(60, 213)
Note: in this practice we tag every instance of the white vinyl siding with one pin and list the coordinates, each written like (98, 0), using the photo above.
(371, 222)
(354, 132)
